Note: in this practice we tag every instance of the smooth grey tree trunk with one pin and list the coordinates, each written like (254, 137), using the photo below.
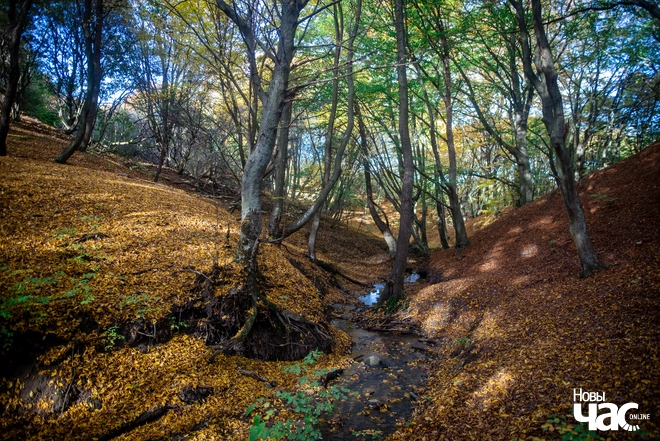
(547, 86)
(280, 173)
(273, 104)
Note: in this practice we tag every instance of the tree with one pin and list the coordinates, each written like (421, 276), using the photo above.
(383, 226)
(92, 25)
(322, 196)
(434, 26)
(17, 19)
(273, 104)
(167, 79)
(547, 86)
(327, 157)
(280, 54)
(280, 173)
(393, 291)
(62, 57)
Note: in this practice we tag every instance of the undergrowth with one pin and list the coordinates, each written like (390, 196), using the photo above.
(310, 402)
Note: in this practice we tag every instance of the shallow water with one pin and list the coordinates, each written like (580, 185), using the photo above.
(372, 298)
(386, 386)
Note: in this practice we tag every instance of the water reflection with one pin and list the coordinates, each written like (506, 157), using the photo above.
(372, 298)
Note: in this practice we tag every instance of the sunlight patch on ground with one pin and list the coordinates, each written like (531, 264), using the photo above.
(489, 327)
(529, 250)
(490, 265)
(436, 317)
(494, 392)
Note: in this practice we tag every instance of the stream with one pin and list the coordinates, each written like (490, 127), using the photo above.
(373, 296)
(389, 369)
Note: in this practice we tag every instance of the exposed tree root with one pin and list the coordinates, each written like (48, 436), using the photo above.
(257, 377)
(144, 418)
(91, 236)
(271, 333)
(332, 375)
(243, 322)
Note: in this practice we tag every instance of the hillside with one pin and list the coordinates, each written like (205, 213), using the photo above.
(101, 274)
(523, 330)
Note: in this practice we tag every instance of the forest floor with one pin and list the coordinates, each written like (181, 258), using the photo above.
(93, 255)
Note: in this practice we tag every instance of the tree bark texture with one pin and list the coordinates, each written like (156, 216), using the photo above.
(273, 105)
(547, 87)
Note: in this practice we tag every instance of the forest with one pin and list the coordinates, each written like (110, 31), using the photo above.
(329, 219)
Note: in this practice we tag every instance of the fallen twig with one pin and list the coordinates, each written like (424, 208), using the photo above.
(256, 377)
(399, 330)
(199, 273)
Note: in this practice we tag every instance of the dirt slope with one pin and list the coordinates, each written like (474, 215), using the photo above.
(92, 255)
(523, 330)
(93, 244)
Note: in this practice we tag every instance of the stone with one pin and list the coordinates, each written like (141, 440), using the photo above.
(373, 361)
(374, 404)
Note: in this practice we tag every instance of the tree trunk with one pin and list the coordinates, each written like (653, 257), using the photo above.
(17, 22)
(280, 173)
(260, 155)
(553, 117)
(522, 160)
(281, 330)
(442, 226)
(452, 193)
(393, 291)
(327, 162)
(94, 76)
(383, 227)
(161, 162)
(437, 164)
(325, 191)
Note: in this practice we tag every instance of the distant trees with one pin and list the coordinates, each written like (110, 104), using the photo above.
(63, 59)
(497, 65)
(167, 80)
(255, 95)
